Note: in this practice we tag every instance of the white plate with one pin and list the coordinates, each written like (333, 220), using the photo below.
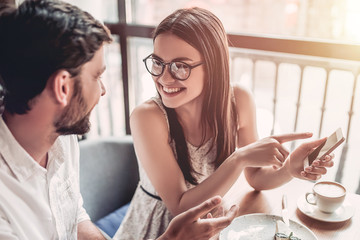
(261, 226)
(343, 213)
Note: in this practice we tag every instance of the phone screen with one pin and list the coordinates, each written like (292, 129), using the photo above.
(332, 142)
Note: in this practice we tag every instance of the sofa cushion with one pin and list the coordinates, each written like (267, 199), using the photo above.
(111, 222)
(108, 174)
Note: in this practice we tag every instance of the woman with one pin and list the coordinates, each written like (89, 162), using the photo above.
(199, 134)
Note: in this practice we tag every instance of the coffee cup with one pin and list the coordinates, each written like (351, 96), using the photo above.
(327, 196)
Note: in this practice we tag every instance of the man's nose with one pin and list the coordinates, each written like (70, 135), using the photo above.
(103, 89)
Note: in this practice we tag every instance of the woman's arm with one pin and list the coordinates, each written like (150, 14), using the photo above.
(262, 178)
(258, 178)
(151, 140)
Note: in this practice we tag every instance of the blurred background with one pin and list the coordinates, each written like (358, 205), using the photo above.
(300, 59)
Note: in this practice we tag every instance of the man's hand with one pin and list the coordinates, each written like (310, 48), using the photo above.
(189, 225)
(87, 230)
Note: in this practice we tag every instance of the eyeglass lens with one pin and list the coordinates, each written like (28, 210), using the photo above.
(178, 70)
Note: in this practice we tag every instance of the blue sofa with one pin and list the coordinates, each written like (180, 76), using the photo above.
(108, 179)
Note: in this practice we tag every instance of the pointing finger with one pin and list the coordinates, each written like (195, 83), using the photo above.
(291, 137)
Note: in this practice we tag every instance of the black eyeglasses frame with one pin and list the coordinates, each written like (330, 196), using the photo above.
(169, 69)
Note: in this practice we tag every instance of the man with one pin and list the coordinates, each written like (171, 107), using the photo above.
(51, 64)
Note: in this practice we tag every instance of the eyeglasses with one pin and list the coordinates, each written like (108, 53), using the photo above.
(177, 69)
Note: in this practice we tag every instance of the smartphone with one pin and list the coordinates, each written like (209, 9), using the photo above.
(332, 142)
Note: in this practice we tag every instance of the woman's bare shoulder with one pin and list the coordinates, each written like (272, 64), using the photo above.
(241, 93)
(148, 113)
(146, 108)
(245, 106)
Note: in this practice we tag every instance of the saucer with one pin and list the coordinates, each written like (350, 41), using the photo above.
(343, 213)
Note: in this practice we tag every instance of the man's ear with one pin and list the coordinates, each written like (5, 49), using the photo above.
(62, 85)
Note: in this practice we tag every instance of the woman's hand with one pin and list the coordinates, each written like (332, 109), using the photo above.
(269, 151)
(317, 168)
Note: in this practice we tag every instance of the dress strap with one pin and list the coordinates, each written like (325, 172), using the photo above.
(150, 194)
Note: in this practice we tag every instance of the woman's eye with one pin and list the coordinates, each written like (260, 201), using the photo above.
(156, 62)
(179, 65)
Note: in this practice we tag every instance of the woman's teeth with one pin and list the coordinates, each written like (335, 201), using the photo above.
(171, 90)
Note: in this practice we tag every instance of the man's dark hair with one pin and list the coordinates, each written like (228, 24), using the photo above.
(39, 38)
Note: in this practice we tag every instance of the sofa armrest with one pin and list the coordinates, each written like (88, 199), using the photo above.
(108, 174)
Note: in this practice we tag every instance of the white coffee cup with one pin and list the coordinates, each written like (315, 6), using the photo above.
(327, 196)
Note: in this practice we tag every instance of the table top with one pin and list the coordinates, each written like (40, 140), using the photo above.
(269, 202)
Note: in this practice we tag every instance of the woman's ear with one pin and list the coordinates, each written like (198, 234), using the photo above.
(62, 84)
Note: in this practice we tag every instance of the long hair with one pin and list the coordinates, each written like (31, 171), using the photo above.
(205, 32)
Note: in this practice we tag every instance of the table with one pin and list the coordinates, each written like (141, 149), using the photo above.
(269, 201)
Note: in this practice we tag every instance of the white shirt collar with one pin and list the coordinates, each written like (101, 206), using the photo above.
(20, 162)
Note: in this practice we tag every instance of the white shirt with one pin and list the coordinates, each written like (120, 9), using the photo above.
(38, 203)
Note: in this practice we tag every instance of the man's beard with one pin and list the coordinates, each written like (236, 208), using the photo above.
(74, 119)
(80, 127)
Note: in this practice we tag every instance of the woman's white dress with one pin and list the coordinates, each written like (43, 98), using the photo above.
(148, 217)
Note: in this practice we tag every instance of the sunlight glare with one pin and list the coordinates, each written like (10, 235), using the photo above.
(352, 27)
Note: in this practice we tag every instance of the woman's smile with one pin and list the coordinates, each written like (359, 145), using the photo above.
(168, 91)
(171, 90)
